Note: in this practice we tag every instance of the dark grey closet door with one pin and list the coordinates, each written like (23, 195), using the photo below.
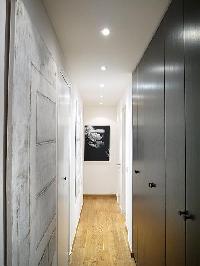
(135, 164)
(175, 135)
(154, 173)
(139, 191)
(192, 87)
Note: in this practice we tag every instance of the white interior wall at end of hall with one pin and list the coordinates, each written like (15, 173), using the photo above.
(127, 103)
(101, 177)
(76, 202)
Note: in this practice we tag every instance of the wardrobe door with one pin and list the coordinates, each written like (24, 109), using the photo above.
(135, 164)
(151, 178)
(175, 135)
(139, 190)
(192, 87)
(154, 172)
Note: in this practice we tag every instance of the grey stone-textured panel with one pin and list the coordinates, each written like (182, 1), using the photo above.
(44, 260)
(44, 62)
(24, 247)
(23, 224)
(45, 165)
(44, 213)
(46, 119)
(40, 84)
(33, 166)
(20, 138)
(52, 247)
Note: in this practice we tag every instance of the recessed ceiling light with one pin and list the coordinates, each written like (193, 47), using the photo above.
(102, 85)
(103, 68)
(105, 31)
(101, 96)
(101, 103)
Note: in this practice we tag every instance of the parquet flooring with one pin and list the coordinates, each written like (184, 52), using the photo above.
(101, 238)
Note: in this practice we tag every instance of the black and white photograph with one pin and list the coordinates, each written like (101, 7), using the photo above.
(97, 143)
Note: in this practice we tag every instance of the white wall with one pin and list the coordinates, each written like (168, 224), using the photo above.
(127, 103)
(2, 49)
(101, 177)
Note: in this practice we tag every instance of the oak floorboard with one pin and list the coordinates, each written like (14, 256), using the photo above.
(101, 238)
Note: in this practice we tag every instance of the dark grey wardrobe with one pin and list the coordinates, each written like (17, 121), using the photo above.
(166, 142)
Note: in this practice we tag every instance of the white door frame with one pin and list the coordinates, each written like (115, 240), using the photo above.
(2, 126)
(63, 170)
(123, 160)
(5, 51)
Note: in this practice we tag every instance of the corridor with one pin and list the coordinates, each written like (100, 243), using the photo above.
(99, 133)
(101, 235)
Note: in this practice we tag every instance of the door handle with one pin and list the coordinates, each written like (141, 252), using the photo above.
(137, 171)
(181, 213)
(188, 217)
(65, 178)
(152, 185)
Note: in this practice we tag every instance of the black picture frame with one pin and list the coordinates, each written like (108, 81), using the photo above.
(97, 143)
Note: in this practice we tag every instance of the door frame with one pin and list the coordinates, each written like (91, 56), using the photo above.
(3, 92)
(6, 55)
(123, 160)
(9, 59)
(62, 79)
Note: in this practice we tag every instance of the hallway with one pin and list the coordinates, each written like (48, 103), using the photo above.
(101, 235)
(99, 133)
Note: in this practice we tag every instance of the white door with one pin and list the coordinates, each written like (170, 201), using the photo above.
(63, 168)
(124, 160)
(2, 115)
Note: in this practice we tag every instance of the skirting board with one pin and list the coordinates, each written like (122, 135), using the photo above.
(100, 196)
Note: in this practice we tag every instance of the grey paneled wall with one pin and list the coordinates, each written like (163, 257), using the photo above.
(33, 157)
(42, 163)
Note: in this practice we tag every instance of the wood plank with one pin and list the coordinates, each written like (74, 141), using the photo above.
(101, 236)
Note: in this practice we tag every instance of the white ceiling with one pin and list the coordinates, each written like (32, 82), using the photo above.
(78, 24)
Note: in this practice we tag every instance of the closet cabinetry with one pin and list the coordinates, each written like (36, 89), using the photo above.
(166, 142)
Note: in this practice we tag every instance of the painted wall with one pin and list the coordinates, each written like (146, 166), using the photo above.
(2, 49)
(101, 177)
(126, 103)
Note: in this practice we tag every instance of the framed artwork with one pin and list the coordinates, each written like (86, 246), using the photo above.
(97, 143)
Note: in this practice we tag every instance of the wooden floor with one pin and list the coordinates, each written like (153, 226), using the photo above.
(101, 236)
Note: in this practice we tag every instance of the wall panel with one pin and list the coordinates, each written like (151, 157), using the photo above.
(154, 174)
(175, 134)
(192, 81)
(33, 156)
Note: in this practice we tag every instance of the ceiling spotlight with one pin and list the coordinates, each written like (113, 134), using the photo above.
(100, 103)
(102, 85)
(105, 32)
(103, 68)
(101, 96)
